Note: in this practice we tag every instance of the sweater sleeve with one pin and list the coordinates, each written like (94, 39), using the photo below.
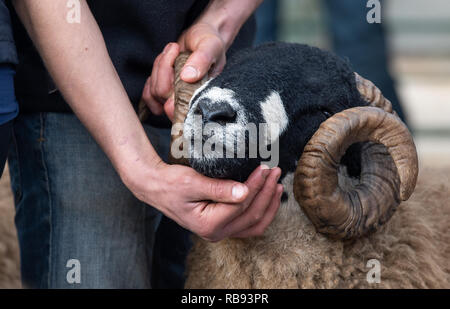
(8, 53)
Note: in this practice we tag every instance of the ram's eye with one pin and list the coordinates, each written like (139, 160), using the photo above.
(326, 113)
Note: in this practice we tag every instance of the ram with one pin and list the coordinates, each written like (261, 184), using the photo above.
(347, 160)
(338, 193)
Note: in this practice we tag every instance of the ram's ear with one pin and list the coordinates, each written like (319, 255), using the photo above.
(183, 93)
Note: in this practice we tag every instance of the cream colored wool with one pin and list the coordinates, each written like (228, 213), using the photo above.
(9, 249)
(413, 249)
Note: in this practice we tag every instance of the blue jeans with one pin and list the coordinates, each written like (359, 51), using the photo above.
(72, 206)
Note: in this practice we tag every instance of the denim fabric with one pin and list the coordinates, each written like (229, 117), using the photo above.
(8, 53)
(171, 246)
(71, 204)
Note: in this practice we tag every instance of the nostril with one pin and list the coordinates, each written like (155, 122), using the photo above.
(220, 112)
(223, 114)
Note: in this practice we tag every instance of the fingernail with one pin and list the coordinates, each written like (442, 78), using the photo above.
(278, 171)
(238, 191)
(280, 187)
(265, 170)
(167, 48)
(189, 72)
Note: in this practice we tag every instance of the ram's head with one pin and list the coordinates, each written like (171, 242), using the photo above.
(320, 115)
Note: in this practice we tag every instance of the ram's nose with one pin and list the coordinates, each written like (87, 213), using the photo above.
(221, 112)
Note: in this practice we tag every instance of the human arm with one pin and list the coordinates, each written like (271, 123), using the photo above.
(77, 59)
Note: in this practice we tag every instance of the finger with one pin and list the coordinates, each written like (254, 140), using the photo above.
(206, 53)
(256, 212)
(220, 214)
(154, 76)
(169, 107)
(259, 228)
(217, 190)
(255, 183)
(154, 106)
(165, 74)
(181, 41)
(228, 191)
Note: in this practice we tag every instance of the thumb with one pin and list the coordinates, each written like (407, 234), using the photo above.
(201, 60)
(222, 191)
(169, 107)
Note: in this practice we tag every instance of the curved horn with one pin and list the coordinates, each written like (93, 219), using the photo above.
(183, 93)
(371, 94)
(352, 212)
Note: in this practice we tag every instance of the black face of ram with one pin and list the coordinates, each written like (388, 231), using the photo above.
(270, 99)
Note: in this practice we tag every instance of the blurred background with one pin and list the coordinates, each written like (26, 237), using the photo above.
(407, 56)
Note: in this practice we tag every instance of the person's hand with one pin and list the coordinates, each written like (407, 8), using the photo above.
(239, 210)
(208, 55)
(203, 205)
(208, 39)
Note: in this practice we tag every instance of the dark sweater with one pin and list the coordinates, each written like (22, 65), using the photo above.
(7, 48)
(135, 32)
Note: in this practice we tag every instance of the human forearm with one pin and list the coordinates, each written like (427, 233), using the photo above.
(228, 16)
(209, 37)
(77, 59)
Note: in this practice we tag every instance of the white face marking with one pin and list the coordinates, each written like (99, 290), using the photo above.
(199, 90)
(216, 94)
(274, 114)
(234, 131)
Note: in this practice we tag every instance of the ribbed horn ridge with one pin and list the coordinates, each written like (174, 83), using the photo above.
(183, 93)
(352, 212)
